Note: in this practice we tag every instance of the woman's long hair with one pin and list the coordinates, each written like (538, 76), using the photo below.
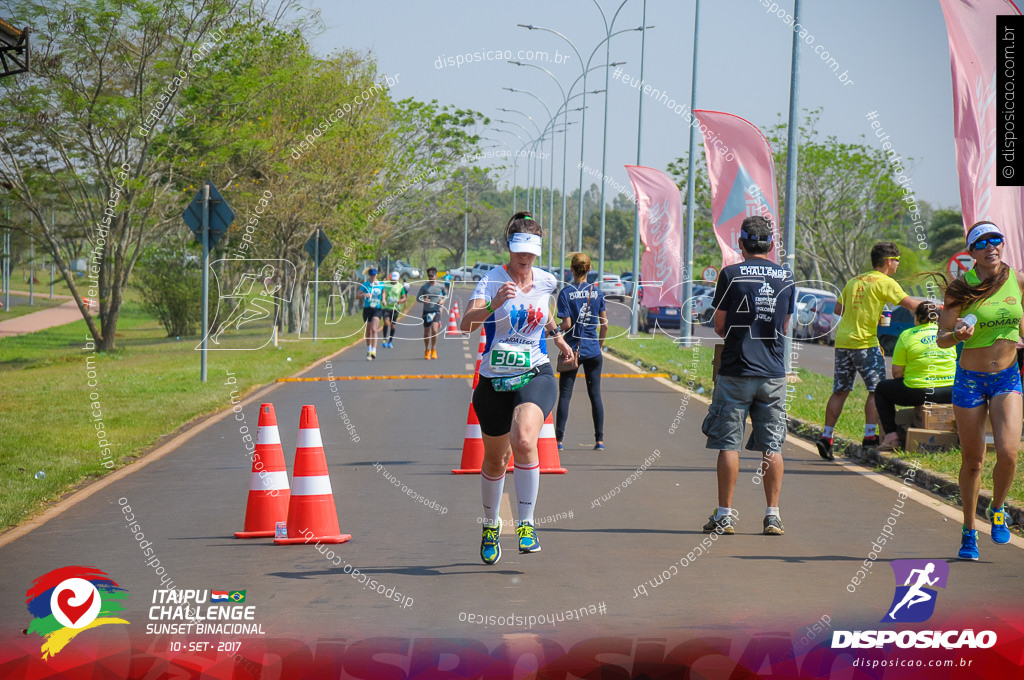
(962, 294)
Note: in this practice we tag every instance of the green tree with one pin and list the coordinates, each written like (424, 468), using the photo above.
(72, 127)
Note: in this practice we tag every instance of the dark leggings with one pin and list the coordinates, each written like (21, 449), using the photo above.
(892, 393)
(566, 380)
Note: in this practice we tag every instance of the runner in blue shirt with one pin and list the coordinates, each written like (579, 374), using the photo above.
(581, 308)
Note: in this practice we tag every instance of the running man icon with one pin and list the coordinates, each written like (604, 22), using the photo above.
(915, 595)
(919, 579)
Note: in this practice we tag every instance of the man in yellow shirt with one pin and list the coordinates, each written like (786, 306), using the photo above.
(857, 349)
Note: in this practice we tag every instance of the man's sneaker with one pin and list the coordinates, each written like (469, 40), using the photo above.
(433, 354)
(490, 547)
(560, 447)
(1000, 524)
(426, 355)
(369, 355)
(870, 441)
(825, 449)
(723, 525)
(528, 542)
(599, 446)
(773, 526)
(969, 545)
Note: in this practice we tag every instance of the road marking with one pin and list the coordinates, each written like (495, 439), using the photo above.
(449, 376)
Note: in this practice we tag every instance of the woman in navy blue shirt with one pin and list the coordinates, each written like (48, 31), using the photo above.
(581, 308)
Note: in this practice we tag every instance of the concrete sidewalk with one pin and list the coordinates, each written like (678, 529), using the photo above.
(43, 319)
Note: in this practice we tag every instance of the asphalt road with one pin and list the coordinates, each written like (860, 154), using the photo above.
(626, 541)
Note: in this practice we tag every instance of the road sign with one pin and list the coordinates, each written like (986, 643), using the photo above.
(221, 216)
(710, 274)
(958, 264)
(324, 243)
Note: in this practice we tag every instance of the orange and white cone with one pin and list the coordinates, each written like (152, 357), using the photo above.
(453, 326)
(472, 446)
(268, 484)
(312, 514)
(547, 449)
(458, 314)
(479, 358)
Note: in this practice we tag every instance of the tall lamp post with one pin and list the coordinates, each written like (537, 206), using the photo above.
(546, 109)
(586, 70)
(604, 143)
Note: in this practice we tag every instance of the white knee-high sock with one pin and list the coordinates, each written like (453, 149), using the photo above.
(527, 485)
(491, 489)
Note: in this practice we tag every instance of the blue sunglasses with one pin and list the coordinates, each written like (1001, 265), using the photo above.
(982, 243)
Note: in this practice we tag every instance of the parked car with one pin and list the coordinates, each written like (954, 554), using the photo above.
(611, 285)
(901, 320)
(627, 282)
(406, 271)
(480, 269)
(809, 304)
(457, 274)
(701, 311)
(825, 322)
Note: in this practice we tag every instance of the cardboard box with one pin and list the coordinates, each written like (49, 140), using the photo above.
(938, 417)
(907, 417)
(920, 440)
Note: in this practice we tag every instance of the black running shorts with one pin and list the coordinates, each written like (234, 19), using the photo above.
(494, 409)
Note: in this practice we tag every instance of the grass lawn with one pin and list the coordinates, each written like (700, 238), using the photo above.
(661, 353)
(147, 388)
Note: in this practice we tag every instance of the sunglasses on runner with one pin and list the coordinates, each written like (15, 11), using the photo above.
(982, 243)
(893, 258)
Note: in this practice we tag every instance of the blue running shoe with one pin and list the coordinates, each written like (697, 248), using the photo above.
(560, 447)
(528, 542)
(1000, 524)
(969, 545)
(599, 446)
(490, 548)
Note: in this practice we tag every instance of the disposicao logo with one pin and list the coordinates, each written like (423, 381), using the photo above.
(914, 602)
(69, 600)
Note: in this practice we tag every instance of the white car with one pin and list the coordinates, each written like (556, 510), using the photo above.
(480, 269)
(457, 274)
(611, 285)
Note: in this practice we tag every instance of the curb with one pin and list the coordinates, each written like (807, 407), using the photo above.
(934, 483)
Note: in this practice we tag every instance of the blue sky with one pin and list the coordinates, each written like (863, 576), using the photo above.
(895, 56)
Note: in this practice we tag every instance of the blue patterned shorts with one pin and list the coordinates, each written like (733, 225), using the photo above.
(976, 388)
(849, 362)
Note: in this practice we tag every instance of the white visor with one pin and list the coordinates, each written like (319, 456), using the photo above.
(981, 229)
(524, 243)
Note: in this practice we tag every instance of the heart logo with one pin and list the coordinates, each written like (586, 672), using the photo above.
(73, 612)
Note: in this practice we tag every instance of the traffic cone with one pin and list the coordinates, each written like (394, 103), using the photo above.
(472, 446)
(479, 358)
(453, 326)
(268, 485)
(458, 314)
(547, 449)
(312, 514)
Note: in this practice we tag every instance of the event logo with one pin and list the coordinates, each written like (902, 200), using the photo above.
(914, 601)
(69, 600)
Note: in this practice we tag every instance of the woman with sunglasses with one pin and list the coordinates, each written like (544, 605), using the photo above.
(517, 388)
(983, 310)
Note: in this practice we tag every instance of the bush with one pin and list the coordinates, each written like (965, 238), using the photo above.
(171, 286)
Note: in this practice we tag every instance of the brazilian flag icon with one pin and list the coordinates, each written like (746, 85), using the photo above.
(237, 596)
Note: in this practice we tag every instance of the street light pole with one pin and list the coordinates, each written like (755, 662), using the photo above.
(685, 322)
(634, 308)
(604, 144)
